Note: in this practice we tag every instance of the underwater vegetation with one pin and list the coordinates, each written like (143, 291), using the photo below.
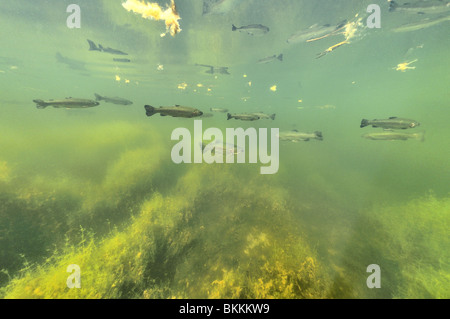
(180, 246)
(176, 243)
(409, 241)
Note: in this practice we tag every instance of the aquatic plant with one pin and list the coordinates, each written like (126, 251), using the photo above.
(408, 241)
(180, 245)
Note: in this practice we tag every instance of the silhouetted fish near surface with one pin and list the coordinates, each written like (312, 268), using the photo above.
(316, 32)
(420, 7)
(174, 111)
(215, 69)
(391, 123)
(271, 59)
(71, 63)
(68, 103)
(218, 6)
(252, 29)
(113, 100)
(94, 47)
(426, 23)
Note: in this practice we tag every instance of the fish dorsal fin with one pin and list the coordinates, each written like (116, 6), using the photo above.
(177, 105)
(393, 117)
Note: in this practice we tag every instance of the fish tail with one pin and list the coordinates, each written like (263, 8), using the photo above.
(98, 97)
(229, 117)
(233, 28)
(280, 57)
(40, 104)
(150, 110)
(319, 135)
(273, 116)
(392, 5)
(364, 123)
(92, 46)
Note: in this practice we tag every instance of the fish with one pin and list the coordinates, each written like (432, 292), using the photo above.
(296, 136)
(73, 64)
(263, 116)
(316, 32)
(271, 59)
(94, 47)
(426, 23)
(420, 7)
(218, 110)
(113, 100)
(68, 103)
(122, 60)
(243, 117)
(214, 69)
(391, 123)
(331, 49)
(111, 51)
(218, 6)
(174, 111)
(252, 29)
(219, 147)
(395, 136)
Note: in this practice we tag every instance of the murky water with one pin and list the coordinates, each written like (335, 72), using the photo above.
(97, 187)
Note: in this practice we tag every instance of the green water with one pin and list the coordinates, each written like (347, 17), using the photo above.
(98, 188)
